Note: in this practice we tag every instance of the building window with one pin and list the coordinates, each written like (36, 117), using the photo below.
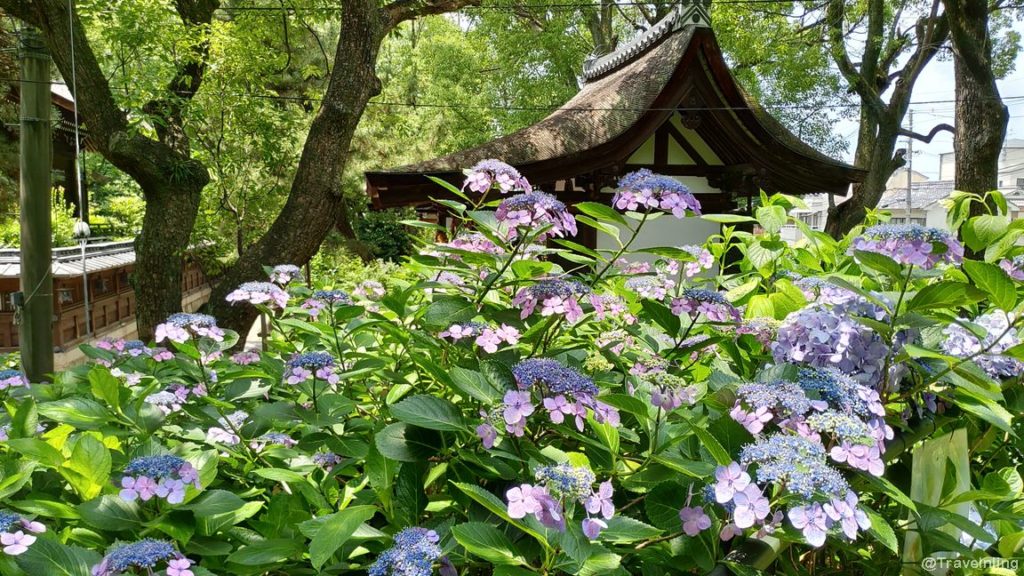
(903, 220)
(813, 220)
(65, 296)
(5, 302)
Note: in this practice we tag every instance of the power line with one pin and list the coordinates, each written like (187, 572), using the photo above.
(550, 108)
(563, 6)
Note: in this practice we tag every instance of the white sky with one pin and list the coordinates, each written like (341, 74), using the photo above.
(936, 83)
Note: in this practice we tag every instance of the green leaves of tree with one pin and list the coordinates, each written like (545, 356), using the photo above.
(487, 542)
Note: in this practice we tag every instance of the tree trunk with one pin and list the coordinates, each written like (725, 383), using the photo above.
(315, 204)
(160, 250)
(876, 145)
(981, 116)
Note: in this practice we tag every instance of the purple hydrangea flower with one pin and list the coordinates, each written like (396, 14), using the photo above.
(518, 406)
(328, 299)
(272, 438)
(181, 327)
(694, 520)
(764, 330)
(696, 301)
(534, 210)
(844, 511)
(370, 289)
(284, 274)
(491, 338)
(246, 357)
(302, 367)
(731, 480)
(592, 527)
(474, 242)
(260, 293)
(326, 460)
(750, 506)
(12, 379)
(644, 190)
(141, 555)
(797, 462)
(999, 337)
(1014, 267)
(491, 173)
(413, 554)
(821, 291)
(702, 260)
(812, 521)
(566, 481)
(555, 296)
(457, 332)
(536, 500)
(600, 502)
(821, 338)
(554, 377)
(165, 477)
(17, 532)
(169, 400)
(654, 287)
(911, 244)
(487, 433)
(224, 433)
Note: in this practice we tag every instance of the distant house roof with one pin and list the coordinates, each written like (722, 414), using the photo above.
(922, 195)
(67, 262)
(674, 68)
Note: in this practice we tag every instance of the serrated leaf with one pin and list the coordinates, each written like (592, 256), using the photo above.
(335, 531)
(429, 412)
(993, 281)
(944, 295)
(881, 531)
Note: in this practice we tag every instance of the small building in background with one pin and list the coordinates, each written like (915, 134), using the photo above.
(111, 299)
(665, 101)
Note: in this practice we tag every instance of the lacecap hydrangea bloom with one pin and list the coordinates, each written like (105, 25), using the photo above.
(12, 379)
(555, 297)
(557, 485)
(1014, 267)
(911, 244)
(490, 173)
(414, 553)
(533, 210)
(164, 477)
(284, 274)
(644, 190)
(669, 391)
(654, 287)
(328, 299)
(702, 260)
(302, 367)
(998, 338)
(226, 430)
(260, 293)
(697, 301)
(146, 555)
(17, 533)
(181, 327)
(169, 400)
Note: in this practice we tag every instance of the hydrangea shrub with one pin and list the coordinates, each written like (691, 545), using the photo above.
(516, 403)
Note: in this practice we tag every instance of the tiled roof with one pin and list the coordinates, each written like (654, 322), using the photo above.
(67, 262)
(922, 195)
(603, 109)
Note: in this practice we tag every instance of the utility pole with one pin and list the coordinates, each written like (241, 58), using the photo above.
(910, 163)
(36, 326)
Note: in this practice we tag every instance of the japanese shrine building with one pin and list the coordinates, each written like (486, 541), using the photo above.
(665, 101)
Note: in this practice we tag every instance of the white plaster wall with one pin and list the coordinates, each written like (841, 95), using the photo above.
(667, 230)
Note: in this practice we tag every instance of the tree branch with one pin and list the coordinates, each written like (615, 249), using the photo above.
(401, 10)
(859, 83)
(927, 138)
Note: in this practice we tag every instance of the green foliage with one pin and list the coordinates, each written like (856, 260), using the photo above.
(384, 235)
(62, 223)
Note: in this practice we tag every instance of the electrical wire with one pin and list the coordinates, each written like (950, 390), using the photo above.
(434, 105)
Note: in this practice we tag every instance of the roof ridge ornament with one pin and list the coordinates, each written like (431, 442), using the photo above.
(693, 13)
